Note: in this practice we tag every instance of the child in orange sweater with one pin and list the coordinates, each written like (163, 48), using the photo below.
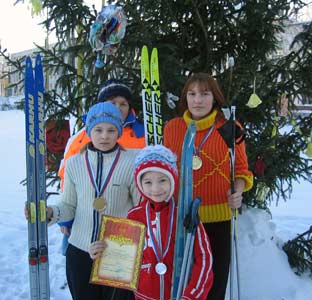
(201, 101)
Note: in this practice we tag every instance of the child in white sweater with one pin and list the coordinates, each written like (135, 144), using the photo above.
(98, 180)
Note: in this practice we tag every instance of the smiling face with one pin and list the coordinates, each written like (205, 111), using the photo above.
(104, 136)
(156, 186)
(199, 101)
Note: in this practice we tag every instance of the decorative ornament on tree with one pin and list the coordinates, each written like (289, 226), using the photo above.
(309, 150)
(231, 62)
(259, 166)
(254, 101)
(107, 32)
(275, 131)
(295, 125)
(261, 192)
(57, 134)
(171, 100)
(283, 106)
(309, 147)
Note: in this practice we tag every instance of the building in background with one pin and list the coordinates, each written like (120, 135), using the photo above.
(12, 85)
(286, 38)
(4, 81)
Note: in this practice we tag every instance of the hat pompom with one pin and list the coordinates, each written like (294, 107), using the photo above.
(156, 159)
(104, 112)
(113, 88)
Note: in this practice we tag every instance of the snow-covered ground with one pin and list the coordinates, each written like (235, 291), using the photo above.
(264, 270)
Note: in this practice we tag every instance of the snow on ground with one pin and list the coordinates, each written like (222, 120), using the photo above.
(264, 270)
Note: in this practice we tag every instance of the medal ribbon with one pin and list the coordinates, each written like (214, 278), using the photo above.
(204, 139)
(155, 245)
(100, 191)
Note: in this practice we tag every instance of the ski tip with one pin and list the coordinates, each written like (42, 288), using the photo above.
(28, 61)
(38, 59)
(144, 53)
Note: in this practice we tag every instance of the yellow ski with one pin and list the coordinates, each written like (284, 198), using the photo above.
(151, 97)
(146, 97)
(155, 93)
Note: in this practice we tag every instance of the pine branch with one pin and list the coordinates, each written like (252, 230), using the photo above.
(299, 252)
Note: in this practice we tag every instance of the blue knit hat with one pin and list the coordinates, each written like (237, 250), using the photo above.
(104, 112)
(113, 88)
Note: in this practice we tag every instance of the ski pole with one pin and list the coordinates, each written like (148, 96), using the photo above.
(194, 223)
(184, 201)
(191, 222)
(234, 211)
(234, 257)
(237, 262)
(184, 263)
(234, 254)
(229, 134)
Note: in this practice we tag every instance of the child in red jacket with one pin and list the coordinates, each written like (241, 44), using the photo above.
(156, 177)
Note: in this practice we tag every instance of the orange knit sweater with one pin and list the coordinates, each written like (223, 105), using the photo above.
(212, 181)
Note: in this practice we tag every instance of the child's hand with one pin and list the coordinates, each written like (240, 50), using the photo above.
(26, 211)
(96, 249)
(235, 199)
(49, 211)
(65, 230)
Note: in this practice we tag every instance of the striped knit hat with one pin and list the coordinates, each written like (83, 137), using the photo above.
(156, 159)
(113, 88)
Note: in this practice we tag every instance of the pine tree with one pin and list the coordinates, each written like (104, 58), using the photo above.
(192, 36)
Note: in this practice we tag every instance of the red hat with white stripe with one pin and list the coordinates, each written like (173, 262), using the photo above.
(156, 159)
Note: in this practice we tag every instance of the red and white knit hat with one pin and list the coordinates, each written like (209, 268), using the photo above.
(157, 159)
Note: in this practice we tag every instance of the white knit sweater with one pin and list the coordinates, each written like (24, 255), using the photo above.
(78, 196)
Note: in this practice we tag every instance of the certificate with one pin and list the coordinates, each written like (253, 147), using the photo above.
(120, 263)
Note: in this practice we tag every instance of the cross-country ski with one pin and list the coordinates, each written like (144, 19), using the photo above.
(151, 97)
(36, 185)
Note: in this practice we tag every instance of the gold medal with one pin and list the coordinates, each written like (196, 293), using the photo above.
(197, 162)
(99, 204)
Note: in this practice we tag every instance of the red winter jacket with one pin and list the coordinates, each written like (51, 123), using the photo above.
(149, 287)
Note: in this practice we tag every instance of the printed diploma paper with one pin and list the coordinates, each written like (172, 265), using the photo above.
(120, 262)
